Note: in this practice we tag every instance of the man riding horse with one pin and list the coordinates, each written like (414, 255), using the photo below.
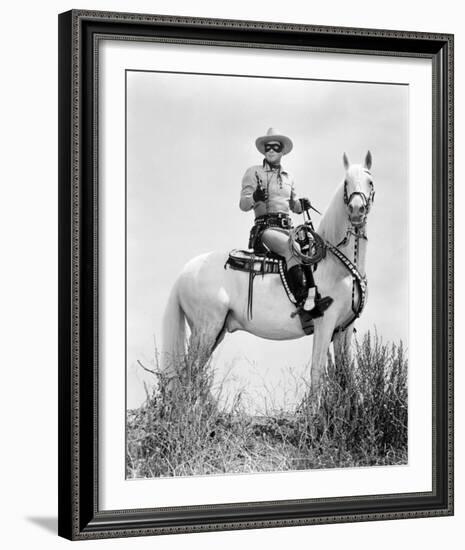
(269, 189)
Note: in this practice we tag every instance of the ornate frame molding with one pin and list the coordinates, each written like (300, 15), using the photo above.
(79, 34)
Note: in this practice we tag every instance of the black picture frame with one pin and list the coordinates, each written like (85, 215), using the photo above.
(79, 515)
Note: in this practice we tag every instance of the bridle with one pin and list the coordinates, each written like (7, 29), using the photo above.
(366, 201)
(358, 231)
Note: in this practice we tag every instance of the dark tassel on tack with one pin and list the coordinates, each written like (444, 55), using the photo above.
(250, 295)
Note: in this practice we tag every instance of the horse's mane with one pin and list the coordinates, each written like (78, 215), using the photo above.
(332, 226)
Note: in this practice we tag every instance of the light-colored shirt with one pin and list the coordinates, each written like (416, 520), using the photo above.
(278, 184)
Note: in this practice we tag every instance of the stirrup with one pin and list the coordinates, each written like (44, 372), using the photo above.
(321, 305)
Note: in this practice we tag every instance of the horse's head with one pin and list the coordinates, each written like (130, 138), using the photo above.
(359, 190)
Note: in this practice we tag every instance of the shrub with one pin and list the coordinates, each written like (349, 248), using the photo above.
(360, 419)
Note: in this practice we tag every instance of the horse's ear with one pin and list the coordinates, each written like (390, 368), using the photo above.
(368, 160)
(345, 160)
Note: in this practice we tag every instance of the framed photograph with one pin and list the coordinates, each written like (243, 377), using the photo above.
(256, 274)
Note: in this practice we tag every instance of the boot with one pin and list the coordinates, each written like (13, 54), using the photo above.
(298, 284)
(321, 303)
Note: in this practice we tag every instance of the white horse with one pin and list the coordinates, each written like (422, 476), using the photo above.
(213, 300)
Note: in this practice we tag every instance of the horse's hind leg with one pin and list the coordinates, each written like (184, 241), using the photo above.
(220, 336)
(203, 340)
(207, 328)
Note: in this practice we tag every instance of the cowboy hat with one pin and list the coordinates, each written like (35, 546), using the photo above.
(274, 135)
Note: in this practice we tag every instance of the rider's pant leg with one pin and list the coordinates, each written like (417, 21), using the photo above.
(278, 242)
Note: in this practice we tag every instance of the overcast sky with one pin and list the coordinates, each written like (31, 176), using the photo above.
(190, 139)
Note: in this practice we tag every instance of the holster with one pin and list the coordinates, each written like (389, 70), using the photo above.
(281, 221)
(254, 237)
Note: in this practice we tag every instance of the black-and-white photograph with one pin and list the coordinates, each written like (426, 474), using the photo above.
(267, 297)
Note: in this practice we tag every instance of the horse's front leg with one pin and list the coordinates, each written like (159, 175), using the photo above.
(323, 333)
(342, 343)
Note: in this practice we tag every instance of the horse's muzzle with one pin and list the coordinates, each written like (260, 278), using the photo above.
(358, 221)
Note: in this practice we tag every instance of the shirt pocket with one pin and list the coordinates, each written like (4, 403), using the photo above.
(285, 189)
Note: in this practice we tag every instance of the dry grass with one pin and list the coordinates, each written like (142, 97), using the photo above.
(360, 420)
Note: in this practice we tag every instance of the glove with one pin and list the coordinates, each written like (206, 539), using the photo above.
(259, 194)
(305, 203)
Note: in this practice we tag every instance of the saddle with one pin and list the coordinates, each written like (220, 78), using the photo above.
(257, 263)
(259, 260)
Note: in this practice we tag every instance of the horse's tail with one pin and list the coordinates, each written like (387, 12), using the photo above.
(173, 334)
